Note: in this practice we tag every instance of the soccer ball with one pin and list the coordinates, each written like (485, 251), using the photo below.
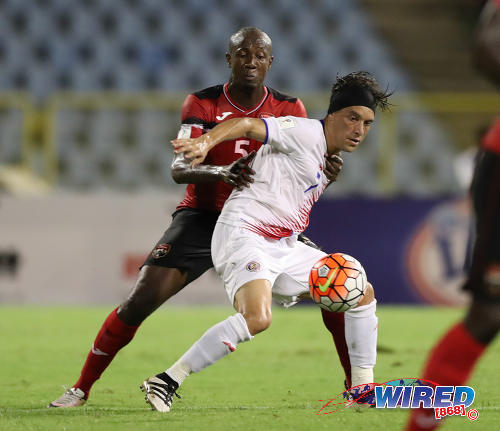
(337, 282)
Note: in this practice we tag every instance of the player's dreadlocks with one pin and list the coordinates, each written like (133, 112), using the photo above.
(347, 89)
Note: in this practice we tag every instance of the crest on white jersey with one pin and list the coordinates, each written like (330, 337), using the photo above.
(286, 123)
(253, 266)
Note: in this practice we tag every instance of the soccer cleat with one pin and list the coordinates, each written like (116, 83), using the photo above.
(159, 393)
(73, 397)
(362, 396)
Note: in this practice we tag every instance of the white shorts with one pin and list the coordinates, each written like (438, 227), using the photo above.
(240, 256)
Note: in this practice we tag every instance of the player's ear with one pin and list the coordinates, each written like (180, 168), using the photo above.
(228, 59)
(270, 62)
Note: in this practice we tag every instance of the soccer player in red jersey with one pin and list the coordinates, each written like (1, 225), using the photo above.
(453, 358)
(183, 252)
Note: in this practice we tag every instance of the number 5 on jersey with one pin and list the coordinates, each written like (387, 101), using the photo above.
(238, 147)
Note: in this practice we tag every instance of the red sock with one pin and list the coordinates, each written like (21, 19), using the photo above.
(334, 322)
(113, 335)
(450, 363)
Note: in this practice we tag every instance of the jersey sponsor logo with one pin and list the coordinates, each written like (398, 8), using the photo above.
(253, 266)
(161, 250)
(222, 116)
(286, 123)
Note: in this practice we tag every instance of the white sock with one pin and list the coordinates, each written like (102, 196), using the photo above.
(360, 376)
(361, 327)
(179, 371)
(220, 340)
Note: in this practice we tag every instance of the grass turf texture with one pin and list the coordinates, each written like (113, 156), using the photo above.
(271, 383)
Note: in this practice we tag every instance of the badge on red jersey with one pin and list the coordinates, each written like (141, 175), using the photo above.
(161, 250)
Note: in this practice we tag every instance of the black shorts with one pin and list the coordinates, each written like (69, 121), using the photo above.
(486, 255)
(186, 243)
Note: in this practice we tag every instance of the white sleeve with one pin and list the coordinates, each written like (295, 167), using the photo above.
(282, 133)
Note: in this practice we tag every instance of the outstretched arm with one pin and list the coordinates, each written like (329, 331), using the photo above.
(197, 148)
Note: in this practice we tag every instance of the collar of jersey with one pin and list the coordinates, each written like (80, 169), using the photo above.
(240, 108)
(324, 133)
(323, 124)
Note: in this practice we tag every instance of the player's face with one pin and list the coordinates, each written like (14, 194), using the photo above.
(250, 60)
(349, 127)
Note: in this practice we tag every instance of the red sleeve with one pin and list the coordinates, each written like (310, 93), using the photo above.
(300, 110)
(193, 109)
(193, 117)
(295, 109)
(491, 141)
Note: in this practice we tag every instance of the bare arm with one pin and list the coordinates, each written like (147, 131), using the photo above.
(238, 174)
(197, 148)
(182, 173)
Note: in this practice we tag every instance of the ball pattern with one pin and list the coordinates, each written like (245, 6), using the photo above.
(337, 282)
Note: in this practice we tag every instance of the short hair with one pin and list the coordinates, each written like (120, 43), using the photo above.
(362, 80)
(237, 37)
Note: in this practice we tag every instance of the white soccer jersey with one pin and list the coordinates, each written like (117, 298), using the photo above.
(288, 180)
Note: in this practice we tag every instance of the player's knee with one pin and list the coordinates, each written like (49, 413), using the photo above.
(159, 284)
(258, 322)
(138, 305)
(369, 295)
(153, 287)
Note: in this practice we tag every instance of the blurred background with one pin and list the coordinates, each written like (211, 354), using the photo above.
(90, 96)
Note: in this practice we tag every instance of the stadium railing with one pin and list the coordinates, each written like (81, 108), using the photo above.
(121, 140)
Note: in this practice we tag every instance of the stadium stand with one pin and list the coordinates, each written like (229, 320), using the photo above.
(107, 80)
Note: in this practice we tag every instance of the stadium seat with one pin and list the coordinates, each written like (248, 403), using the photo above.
(176, 47)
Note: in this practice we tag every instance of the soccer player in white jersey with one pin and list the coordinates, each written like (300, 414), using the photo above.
(254, 247)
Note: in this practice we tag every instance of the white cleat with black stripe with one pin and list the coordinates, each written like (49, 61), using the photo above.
(159, 393)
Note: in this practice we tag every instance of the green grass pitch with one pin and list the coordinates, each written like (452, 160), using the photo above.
(271, 383)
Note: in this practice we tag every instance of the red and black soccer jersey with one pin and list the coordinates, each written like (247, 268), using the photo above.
(203, 110)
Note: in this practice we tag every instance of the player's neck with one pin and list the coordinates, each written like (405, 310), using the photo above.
(331, 149)
(247, 97)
